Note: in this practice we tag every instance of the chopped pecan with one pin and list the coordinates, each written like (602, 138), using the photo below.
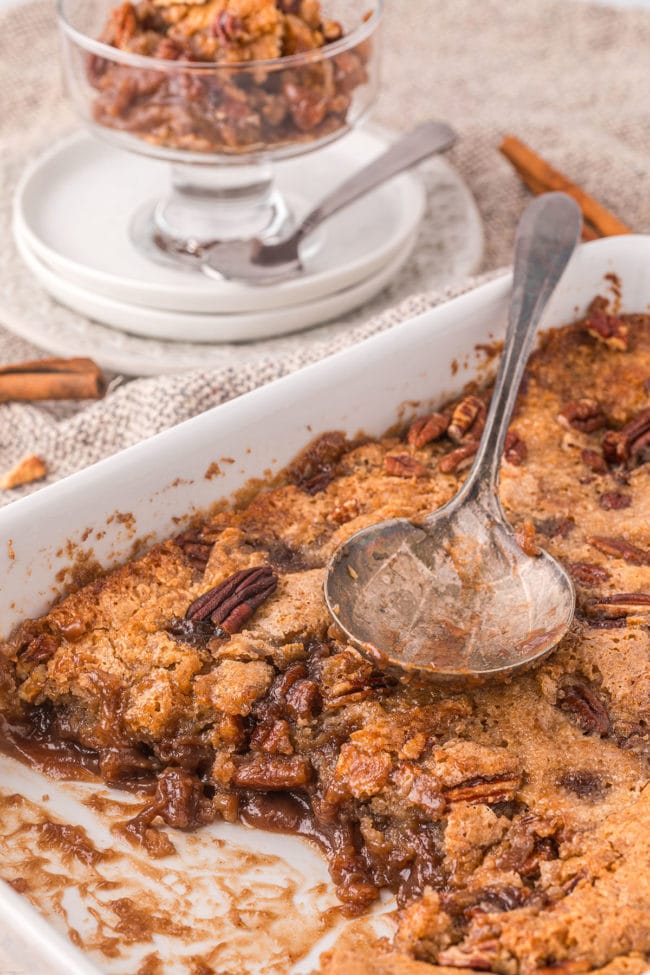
(304, 700)
(196, 548)
(594, 461)
(179, 796)
(585, 415)
(555, 527)
(480, 957)
(467, 420)
(583, 703)
(515, 450)
(315, 466)
(525, 538)
(621, 604)
(196, 633)
(227, 27)
(40, 649)
(614, 500)
(583, 783)
(587, 573)
(458, 459)
(403, 465)
(272, 772)
(619, 548)
(631, 442)
(610, 329)
(345, 511)
(426, 429)
(273, 737)
(500, 788)
(232, 603)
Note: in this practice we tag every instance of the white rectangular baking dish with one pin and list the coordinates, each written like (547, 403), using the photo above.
(140, 491)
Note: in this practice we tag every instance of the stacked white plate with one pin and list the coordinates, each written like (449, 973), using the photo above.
(72, 213)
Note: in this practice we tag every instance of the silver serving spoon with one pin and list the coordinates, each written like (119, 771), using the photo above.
(454, 594)
(259, 263)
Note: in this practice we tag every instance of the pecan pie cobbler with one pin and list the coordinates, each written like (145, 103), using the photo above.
(232, 109)
(513, 820)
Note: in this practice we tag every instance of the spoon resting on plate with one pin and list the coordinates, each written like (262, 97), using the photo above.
(258, 263)
(454, 595)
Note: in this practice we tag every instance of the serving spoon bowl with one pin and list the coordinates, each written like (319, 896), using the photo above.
(453, 594)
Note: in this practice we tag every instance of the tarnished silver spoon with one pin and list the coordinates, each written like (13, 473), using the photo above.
(454, 595)
(259, 263)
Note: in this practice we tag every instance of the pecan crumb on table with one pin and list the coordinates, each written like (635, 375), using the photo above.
(512, 821)
(232, 108)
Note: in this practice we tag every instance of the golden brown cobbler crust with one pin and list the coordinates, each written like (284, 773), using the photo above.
(512, 820)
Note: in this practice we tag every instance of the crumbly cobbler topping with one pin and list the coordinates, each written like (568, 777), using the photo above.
(512, 821)
(225, 110)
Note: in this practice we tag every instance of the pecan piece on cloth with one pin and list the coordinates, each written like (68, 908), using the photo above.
(26, 471)
(610, 329)
(403, 465)
(585, 706)
(458, 459)
(467, 420)
(621, 604)
(233, 602)
(619, 548)
(631, 442)
(585, 415)
(426, 429)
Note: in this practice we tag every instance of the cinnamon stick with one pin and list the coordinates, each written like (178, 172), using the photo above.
(541, 177)
(51, 379)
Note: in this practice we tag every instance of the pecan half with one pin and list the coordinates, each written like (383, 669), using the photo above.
(631, 442)
(582, 702)
(619, 548)
(467, 420)
(500, 788)
(585, 415)
(515, 450)
(458, 459)
(587, 573)
(403, 465)
(622, 604)
(610, 329)
(234, 601)
(594, 461)
(426, 429)
(614, 500)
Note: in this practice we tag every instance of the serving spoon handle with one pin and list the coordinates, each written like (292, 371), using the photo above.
(547, 236)
(423, 141)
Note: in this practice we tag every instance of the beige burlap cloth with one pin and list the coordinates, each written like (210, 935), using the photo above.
(570, 78)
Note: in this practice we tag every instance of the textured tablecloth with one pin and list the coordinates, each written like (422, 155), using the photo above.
(572, 79)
